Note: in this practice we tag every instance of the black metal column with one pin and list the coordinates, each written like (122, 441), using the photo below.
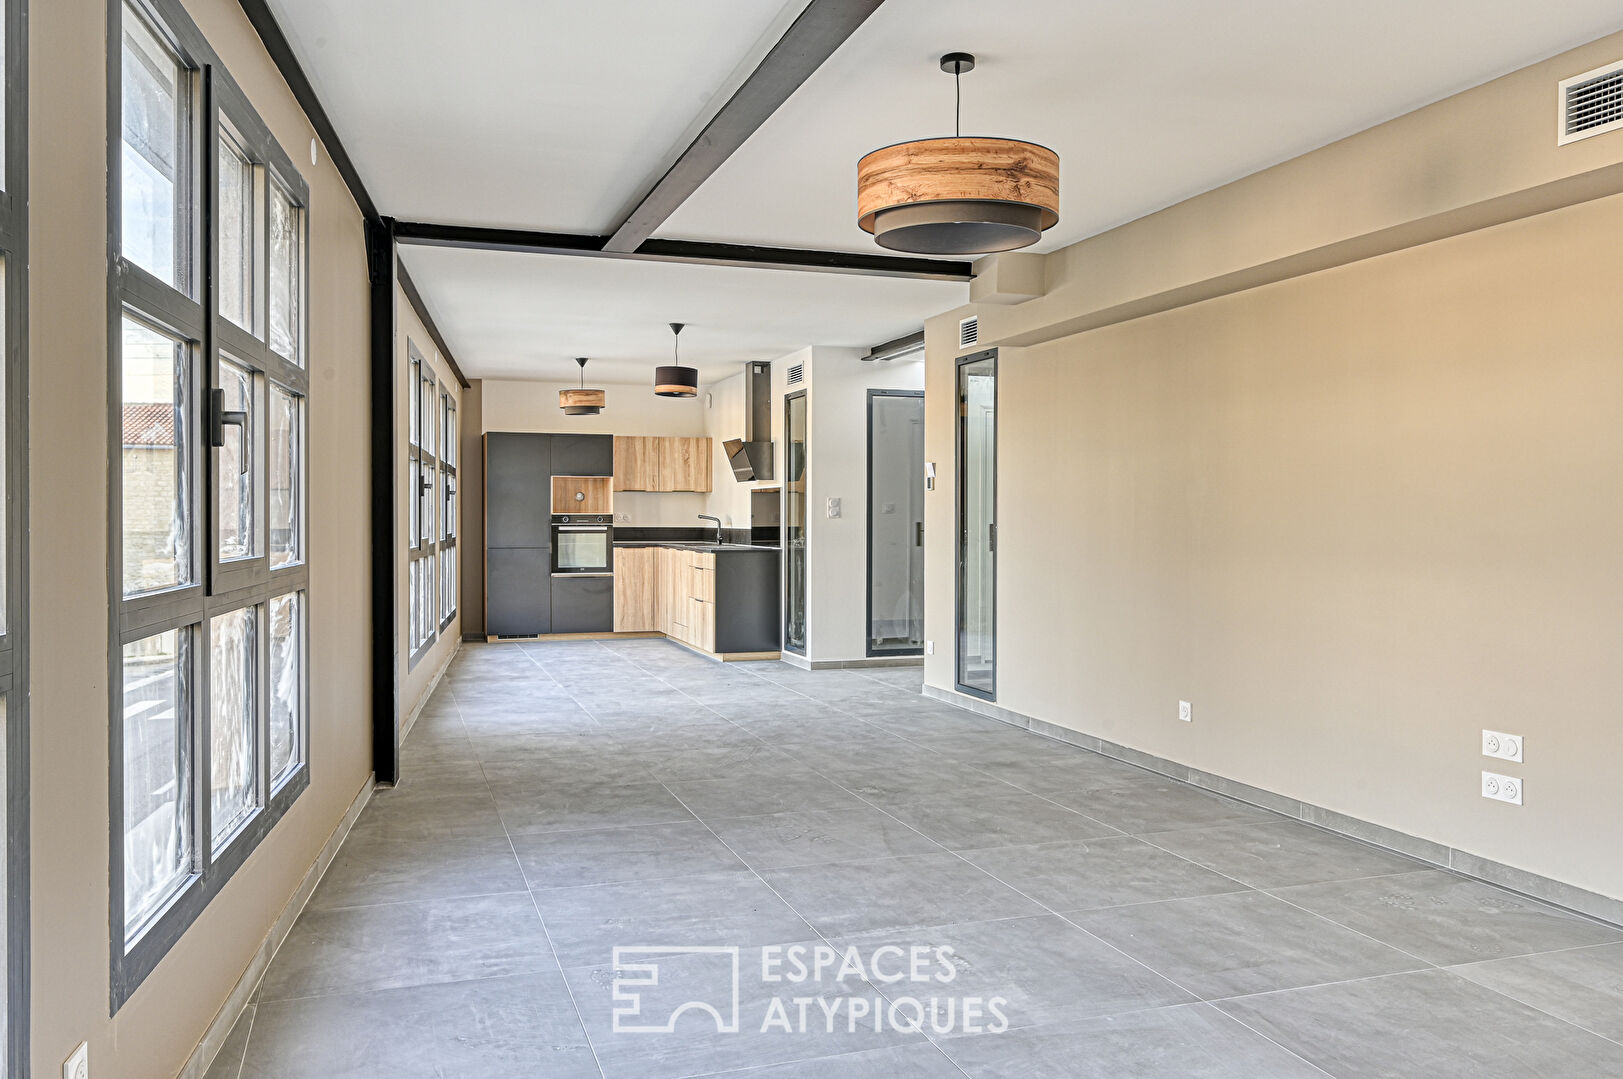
(381, 262)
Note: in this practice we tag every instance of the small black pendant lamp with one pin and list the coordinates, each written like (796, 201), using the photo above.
(674, 380)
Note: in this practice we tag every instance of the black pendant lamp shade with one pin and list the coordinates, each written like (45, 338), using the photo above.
(674, 380)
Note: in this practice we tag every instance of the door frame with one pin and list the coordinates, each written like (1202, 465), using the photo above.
(960, 430)
(868, 649)
(783, 622)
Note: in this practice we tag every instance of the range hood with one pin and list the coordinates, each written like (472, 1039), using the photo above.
(751, 456)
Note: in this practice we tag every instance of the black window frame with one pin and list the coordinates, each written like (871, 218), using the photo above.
(14, 638)
(190, 313)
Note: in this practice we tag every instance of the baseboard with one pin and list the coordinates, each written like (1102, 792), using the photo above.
(851, 664)
(208, 1047)
(428, 694)
(1532, 885)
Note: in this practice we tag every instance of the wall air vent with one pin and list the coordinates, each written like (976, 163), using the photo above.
(797, 374)
(969, 331)
(1592, 103)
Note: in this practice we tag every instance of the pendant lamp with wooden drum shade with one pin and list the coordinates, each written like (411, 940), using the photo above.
(582, 402)
(964, 195)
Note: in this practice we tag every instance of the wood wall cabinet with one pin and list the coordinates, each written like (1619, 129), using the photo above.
(661, 463)
(595, 494)
(636, 590)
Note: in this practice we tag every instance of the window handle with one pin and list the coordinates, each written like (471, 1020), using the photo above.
(220, 418)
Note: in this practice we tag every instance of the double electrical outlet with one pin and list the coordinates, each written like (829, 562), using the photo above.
(1505, 747)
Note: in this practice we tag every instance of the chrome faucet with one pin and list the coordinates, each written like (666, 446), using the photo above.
(707, 517)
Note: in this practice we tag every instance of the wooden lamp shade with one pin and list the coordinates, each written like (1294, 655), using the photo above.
(958, 196)
(582, 401)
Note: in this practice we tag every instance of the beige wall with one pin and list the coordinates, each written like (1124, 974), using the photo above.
(1355, 516)
(837, 570)
(512, 405)
(418, 679)
(157, 1028)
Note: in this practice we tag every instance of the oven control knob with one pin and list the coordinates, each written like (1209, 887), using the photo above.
(564, 519)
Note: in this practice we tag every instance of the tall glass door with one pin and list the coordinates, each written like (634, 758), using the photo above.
(895, 522)
(794, 523)
(977, 524)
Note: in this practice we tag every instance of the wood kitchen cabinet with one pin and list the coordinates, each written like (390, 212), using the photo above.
(658, 463)
(636, 590)
(582, 494)
(722, 603)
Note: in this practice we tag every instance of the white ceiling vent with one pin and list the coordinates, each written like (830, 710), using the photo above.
(1592, 103)
(797, 374)
(969, 331)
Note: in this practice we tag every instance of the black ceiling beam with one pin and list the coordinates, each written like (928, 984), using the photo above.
(281, 53)
(820, 29)
(415, 298)
(479, 237)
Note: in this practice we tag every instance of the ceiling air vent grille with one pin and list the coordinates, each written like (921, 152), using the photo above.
(1592, 103)
(797, 374)
(969, 331)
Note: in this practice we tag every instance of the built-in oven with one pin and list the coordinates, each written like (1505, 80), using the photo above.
(582, 544)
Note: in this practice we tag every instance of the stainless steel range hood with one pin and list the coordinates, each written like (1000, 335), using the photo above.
(751, 456)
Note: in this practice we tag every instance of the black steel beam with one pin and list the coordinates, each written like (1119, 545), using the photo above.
(382, 262)
(821, 28)
(281, 53)
(409, 287)
(479, 237)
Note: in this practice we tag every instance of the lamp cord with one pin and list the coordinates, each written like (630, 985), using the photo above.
(958, 100)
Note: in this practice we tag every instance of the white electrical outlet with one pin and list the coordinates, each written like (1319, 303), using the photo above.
(77, 1066)
(929, 648)
(833, 508)
(1186, 711)
(1507, 747)
(1502, 788)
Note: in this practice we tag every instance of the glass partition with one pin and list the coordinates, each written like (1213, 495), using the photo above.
(895, 523)
(794, 523)
(977, 524)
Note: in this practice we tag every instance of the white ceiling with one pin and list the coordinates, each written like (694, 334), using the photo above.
(1147, 102)
(512, 315)
(557, 114)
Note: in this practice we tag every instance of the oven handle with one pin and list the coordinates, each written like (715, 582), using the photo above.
(580, 528)
(577, 573)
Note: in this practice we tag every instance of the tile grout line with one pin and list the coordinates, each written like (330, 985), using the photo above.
(788, 905)
(552, 946)
(1171, 981)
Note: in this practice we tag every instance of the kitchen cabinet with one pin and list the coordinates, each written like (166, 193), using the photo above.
(582, 455)
(582, 494)
(582, 604)
(518, 591)
(661, 463)
(634, 462)
(636, 589)
(684, 464)
(719, 602)
(517, 513)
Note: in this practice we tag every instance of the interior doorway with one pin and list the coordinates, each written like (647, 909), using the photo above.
(895, 522)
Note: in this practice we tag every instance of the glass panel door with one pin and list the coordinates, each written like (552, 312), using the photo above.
(794, 523)
(977, 524)
(895, 523)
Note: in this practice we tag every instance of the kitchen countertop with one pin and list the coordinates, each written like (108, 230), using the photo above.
(688, 546)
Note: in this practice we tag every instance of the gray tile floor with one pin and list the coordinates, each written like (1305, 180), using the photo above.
(563, 799)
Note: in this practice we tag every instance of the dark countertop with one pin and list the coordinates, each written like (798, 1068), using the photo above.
(689, 546)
